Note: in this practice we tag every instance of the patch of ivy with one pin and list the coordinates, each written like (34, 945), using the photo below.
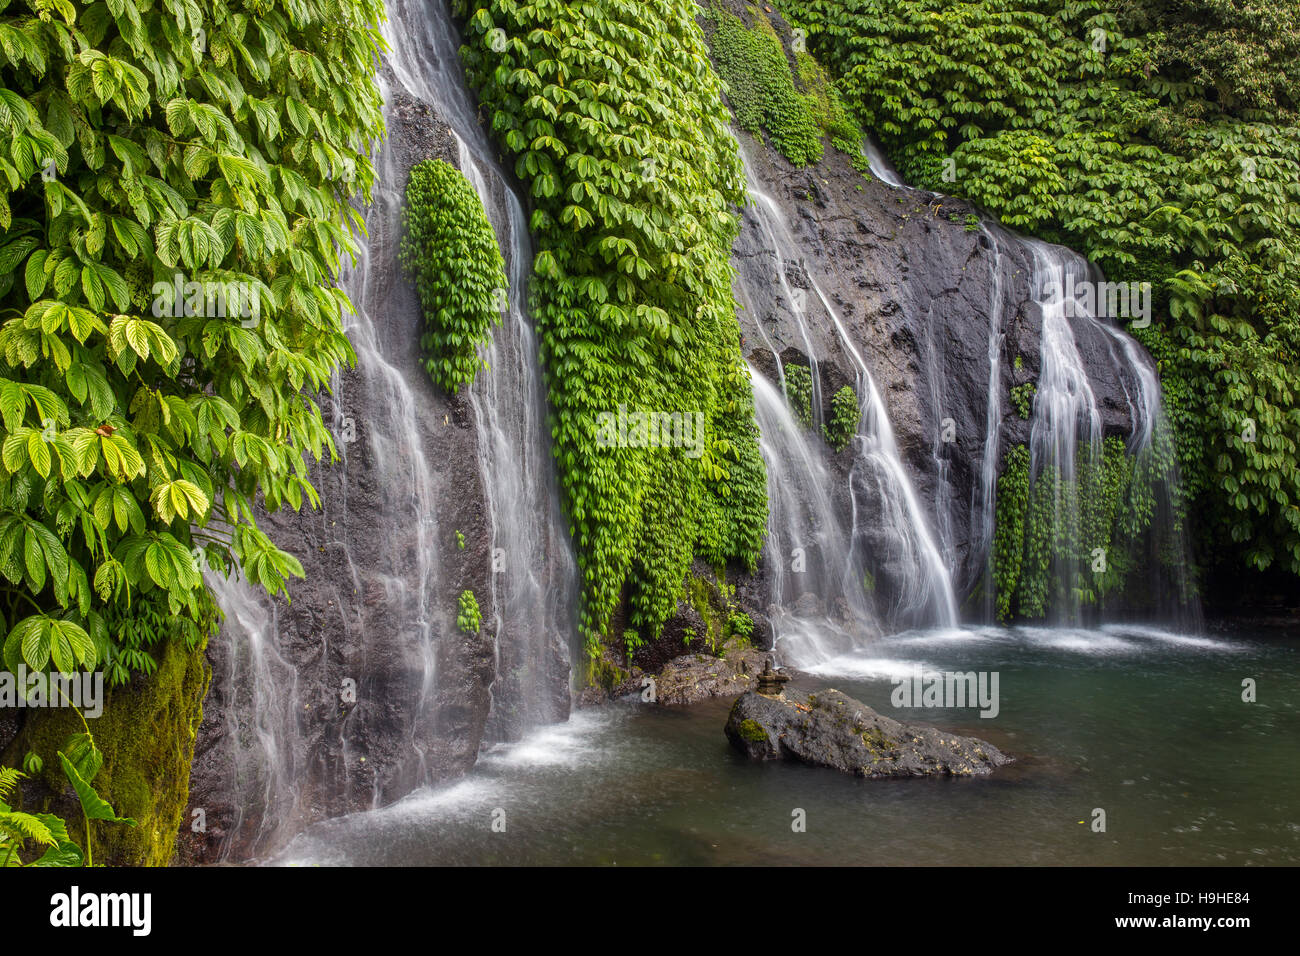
(1022, 398)
(845, 415)
(799, 393)
(468, 616)
(615, 123)
(450, 251)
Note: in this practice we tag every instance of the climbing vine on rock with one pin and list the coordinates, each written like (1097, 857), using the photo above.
(796, 109)
(616, 126)
(449, 249)
(845, 415)
(1060, 543)
(799, 393)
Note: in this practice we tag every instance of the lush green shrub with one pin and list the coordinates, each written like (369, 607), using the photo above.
(845, 415)
(766, 97)
(449, 249)
(1022, 398)
(615, 122)
(1049, 531)
(760, 87)
(799, 393)
(80, 761)
(468, 617)
(141, 427)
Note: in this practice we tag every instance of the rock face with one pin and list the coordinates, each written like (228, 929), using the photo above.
(383, 575)
(830, 729)
(920, 288)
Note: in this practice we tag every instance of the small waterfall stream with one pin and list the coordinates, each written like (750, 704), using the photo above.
(379, 517)
(885, 545)
(534, 580)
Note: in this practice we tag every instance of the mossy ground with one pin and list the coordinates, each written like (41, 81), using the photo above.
(146, 734)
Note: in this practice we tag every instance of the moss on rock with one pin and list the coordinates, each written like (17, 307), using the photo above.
(146, 734)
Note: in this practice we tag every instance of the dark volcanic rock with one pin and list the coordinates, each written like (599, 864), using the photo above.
(360, 615)
(830, 729)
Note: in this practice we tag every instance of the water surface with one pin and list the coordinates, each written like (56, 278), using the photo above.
(1147, 724)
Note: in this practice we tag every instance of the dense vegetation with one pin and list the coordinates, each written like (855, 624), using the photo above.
(174, 186)
(616, 125)
(1063, 545)
(796, 109)
(449, 249)
(1160, 139)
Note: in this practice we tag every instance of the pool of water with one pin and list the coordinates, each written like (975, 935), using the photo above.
(1145, 724)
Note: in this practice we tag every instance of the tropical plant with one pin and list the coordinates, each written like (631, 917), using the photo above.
(157, 159)
(845, 415)
(468, 616)
(80, 760)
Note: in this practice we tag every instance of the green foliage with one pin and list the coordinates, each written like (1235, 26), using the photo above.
(764, 95)
(1009, 527)
(1022, 398)
(616, 127)
(845, 415)
(139, 429)
(468, 617)
(449, 249)
(1245, 52)
(460, 541)
(1048, 530)
(760, 87)
(740, 624)
(1170, 155)
(799, 393)
(80, 761)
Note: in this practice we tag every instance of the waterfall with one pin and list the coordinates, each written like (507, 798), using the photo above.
(987, 488)
(880, 165)
(819, 607)
(1067, 431)
(883, 545)
(534, 580)
(383, 610)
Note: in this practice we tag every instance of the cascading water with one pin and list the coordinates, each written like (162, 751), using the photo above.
(987, 488)
(534, 576)
(1066, 442)
(884, 547)
(1067, 429)
(385, 591)
(880, 165)
(1066, 422)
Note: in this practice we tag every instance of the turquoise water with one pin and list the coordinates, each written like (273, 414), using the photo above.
(1145, 724)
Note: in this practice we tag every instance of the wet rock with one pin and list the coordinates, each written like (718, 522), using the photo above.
(695, 677)
(918, 287)
(831, 729)
(357, 615)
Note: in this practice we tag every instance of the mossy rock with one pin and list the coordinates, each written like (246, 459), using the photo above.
(146, 734)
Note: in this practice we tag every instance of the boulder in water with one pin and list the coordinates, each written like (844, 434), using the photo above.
(831, 729)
